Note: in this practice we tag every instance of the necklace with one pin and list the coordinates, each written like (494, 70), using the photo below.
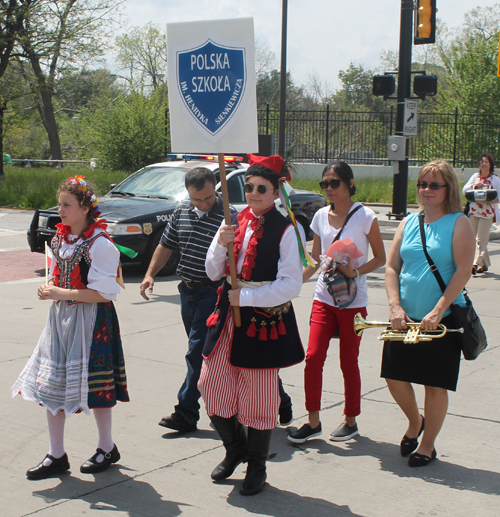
(72, 241)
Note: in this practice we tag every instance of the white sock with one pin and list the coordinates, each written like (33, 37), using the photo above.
(103, 418)
(56, 435)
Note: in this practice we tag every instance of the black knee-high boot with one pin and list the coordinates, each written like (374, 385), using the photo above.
(233, 436)
(258, 452)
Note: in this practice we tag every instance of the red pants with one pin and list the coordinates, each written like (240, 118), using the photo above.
(324, 321)
(252, 394)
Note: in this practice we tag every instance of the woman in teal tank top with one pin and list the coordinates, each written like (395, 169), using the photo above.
(415, 295)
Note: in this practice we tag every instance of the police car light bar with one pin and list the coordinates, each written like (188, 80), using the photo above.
(207, 157)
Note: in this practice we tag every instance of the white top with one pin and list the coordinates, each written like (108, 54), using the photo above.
(476, 211)
(288, 280)
(357, 229)
(105, 260)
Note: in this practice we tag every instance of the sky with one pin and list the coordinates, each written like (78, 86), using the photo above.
(324, 36)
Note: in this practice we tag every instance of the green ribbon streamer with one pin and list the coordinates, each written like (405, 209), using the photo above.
(126, 251)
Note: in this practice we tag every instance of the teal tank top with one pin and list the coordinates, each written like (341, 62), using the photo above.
(419, 290)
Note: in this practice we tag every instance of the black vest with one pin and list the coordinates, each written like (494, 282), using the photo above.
(251, 351)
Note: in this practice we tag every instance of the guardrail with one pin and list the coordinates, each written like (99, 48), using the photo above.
(28, 161)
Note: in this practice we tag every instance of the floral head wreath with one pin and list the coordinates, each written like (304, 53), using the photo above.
(82, 187)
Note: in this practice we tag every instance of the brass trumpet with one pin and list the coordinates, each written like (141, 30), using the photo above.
(413, 334)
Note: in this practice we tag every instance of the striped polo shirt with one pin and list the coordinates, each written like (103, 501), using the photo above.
(192, 235)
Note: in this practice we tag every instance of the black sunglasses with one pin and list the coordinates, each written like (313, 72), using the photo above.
(249, 188)
(433, 186)
(335, 183)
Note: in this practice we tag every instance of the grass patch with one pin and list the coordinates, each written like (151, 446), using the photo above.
(36, 187)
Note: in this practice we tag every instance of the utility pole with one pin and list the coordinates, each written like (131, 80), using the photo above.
(400, 189)
(281, 131)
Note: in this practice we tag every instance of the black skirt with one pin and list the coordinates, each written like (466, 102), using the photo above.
(430, 363)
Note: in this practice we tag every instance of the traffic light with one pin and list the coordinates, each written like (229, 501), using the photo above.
(383, 85)
(425, 23)
(425, 85)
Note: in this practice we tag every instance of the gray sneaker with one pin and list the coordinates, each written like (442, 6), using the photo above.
(344, 432)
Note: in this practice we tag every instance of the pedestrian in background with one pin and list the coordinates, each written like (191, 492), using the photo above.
(483, 215)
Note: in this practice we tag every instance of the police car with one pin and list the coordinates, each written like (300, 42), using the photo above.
(139, 208)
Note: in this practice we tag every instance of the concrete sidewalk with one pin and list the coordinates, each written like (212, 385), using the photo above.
(165, 474)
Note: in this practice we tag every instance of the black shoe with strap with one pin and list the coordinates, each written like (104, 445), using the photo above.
(42, 471)
(234, 438)
(92, 465)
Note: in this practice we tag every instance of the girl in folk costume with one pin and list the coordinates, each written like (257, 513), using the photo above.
(78, 363)
(239, 376)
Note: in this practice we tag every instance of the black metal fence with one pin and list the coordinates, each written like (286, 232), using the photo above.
(361, 137)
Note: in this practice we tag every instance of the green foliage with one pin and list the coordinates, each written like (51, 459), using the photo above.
(36, 187)
(129, 132)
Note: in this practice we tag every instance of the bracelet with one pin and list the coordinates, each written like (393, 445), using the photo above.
(357, 273)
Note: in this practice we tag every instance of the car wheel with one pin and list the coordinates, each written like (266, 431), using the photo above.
(171, 266)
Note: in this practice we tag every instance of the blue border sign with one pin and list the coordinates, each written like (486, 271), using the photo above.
(211, 80)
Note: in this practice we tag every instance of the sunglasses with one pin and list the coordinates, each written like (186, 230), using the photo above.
(249, 188)
(335, 183)
(433, 186)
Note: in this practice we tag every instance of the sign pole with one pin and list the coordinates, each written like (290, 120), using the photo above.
(227, 219)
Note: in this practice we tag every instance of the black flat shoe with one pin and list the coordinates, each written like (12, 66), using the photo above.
(421, 460)
(474, 270)
(408, 445)
(91, 465)
(57, 466)
(482, 269)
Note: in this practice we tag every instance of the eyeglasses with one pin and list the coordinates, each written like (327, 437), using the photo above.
(433, 186)
(334, 183)
(249, 188)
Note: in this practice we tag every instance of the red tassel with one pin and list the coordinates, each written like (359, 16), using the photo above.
(281, 328)
(213, 319)
(252, 329)
(274, 331)
(263, 332)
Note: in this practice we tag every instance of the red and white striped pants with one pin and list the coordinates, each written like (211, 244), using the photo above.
(251, 394)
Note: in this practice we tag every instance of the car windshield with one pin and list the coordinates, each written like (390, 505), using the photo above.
(155, 182)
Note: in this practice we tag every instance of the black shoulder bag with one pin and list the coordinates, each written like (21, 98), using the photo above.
(473, 340)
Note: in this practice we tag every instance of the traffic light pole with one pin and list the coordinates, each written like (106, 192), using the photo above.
(400, 186)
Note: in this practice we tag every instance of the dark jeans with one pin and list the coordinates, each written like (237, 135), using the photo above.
(196, 307)
(286, 401)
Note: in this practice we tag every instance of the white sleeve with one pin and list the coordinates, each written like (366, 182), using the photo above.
(288, 280)
(472, 180)
(216, 259)
(104, 267)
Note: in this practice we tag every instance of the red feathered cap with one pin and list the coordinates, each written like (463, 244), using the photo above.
(275, 163)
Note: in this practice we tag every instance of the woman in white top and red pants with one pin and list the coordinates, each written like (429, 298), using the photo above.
(326, 318)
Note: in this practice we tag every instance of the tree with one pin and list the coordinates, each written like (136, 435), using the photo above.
(56, 37)
(12, 16)
(129, 132)
(142, 54)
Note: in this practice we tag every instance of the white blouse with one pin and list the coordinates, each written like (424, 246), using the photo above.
(288, 280)
(357, 229)
(103, 269)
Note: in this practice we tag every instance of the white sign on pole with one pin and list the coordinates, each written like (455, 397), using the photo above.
(211, 86)
(410, 120)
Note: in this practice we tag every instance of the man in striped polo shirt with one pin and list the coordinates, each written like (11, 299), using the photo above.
(191, 230)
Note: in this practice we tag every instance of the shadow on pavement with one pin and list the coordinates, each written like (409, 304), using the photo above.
(126, 494)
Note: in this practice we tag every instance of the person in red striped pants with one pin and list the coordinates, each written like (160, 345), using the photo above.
(239, 376)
